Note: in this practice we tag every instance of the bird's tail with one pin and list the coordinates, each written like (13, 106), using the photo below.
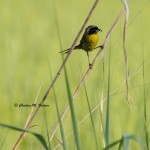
(66, 51)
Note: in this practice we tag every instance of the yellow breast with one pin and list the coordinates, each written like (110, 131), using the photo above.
(91, 42)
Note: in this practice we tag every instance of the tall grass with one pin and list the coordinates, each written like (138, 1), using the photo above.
(38, 136)
(107, 124)
(60, 123)
(74, 122)
(91, 117)
(147, 138)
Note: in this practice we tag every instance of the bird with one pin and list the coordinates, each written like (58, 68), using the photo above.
(88, 41)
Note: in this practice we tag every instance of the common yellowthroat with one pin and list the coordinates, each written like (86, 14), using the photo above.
(88, 42)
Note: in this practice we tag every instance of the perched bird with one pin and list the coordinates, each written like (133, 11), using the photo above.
(88, 42)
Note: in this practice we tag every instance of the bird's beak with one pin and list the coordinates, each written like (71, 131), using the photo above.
(99, 30)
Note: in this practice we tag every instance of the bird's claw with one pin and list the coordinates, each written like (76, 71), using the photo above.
(90, 66)
(101, 46)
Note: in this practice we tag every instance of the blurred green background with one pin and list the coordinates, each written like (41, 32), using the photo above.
(29, 47)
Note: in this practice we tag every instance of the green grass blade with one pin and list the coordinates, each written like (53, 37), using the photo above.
(56, 103)
(145, 109)
(124, 142)
(92, 121)
(49, 146)
(121, 144)
(59, 117)
(112, 144)
(107, 107)
(74, 123)
(134, 138)
(2, 143)
(38, 136)
(60, 122)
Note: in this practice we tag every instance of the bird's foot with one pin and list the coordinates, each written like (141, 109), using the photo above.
(90, 66)
(101, 46)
